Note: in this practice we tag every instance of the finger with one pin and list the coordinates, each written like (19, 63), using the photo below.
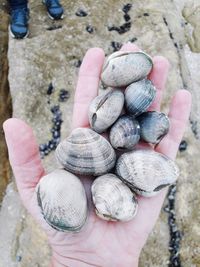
(149, 208)
(24, 157)
(130, 47)
(178, 115)
(158, 76)
(87, 86)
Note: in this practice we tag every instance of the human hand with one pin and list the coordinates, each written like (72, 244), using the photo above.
(99, 243)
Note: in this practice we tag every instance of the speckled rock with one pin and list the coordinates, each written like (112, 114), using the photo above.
(52, 53)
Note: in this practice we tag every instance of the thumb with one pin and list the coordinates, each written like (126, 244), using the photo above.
(24, 157)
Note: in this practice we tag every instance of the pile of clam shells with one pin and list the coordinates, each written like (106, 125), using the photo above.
(119, 176)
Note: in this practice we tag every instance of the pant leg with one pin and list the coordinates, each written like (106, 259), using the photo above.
(14, 4)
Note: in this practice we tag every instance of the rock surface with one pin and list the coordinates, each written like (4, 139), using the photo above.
(5, 99)
(51, 54)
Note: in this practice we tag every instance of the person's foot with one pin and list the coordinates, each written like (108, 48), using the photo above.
(54, 9)
(19, 23)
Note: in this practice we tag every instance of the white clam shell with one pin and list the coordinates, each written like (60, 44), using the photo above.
(86, 152)
(113, 200)
(123, 68)
(146, 171)
(62, 199)
(154, 126)
(125, 133)
(105, 109)
(139, 96)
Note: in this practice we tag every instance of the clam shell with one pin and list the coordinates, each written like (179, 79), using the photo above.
(125, 133)
(105, 109)
(113, 200)
(123, 68)
(86, 152)
(62, 199)
(154, 126)
(146, 171)
(139, 96)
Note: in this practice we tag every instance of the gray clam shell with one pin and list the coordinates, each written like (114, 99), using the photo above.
(62, 199)
(154, 126)
(86, 152)
(105, 109)
(123, 68)
(139, 96)
(146, 171)
(113, 200)
(125, 133)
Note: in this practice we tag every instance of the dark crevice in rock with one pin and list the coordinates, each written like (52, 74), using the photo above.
(5, 101)
(178, 47)
(170, 34)
(185, 77)
(175, 234)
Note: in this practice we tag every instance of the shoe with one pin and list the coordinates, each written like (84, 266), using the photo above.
(54, 9)
(19, 23)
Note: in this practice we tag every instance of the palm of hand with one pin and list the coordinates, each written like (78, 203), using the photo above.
(99, 243)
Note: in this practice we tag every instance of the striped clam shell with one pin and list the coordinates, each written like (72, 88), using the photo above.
(154, 126)
(86, 152)
(113, 200)
(125, 133)
(139, 96)
(123, 68)
(62, 200)
(146, 171)
(105, 109)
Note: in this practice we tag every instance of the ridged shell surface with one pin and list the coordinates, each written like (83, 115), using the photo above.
(139, 96)
(123, 68)
(146, 171)
(86, 152)
(62, 199)
(154, 126)
(113, 200)
(125, 133)
(105, 109)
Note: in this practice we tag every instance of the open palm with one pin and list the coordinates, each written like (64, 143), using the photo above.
(99, 243)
